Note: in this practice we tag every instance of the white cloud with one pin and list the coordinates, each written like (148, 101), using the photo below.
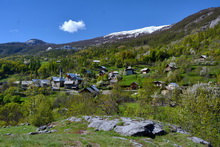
(72, 26)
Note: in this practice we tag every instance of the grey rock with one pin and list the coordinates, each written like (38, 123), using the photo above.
(74, 119)
(105, 125)
(120, 138)
(158, 130)
(54, 130)
(214, 22)
(199, 140)
(67, 130)
(126, 119)
(136, 144)
(87, 118)
(135, 128)
(178, 130)
(44, 132)
(8, 134)
(41, 128)
(176, 145)
(33, 133)
(147, 140)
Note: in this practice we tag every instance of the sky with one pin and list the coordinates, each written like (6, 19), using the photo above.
(64, 21)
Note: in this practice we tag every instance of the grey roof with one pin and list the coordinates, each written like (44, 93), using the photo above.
(58, 79)
(145, 69)
(91, 90)
(26, 82)
(45, 81)
(115, 72)
(68, 82)
(94, 87)
(172, 64)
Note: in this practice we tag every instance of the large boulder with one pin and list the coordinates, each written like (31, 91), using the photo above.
(136, 128)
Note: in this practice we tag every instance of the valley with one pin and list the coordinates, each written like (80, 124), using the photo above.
(171, 75)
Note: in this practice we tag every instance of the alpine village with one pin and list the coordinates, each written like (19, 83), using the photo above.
(151, 89)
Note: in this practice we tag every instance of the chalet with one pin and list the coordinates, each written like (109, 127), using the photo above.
(96, 61)
(113, 74)
(102, 73)
(58, 81)
(171, 66)
(134, 86)
(72, 81)
(26, 84)
(129, 71)
(73, 77)
(45, 83)
(16, 83)
(172, 86)
(36, 82)
(145, 70)
(159, 83)
(203, 57)
(103, 68)
(70, 85)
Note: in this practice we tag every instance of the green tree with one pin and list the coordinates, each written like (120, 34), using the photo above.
(11, 113)
(39, 110)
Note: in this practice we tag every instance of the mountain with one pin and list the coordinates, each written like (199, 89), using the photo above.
(154, 35)
(32, 42)
(199, 21)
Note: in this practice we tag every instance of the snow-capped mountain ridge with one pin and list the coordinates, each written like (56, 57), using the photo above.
(137, 32)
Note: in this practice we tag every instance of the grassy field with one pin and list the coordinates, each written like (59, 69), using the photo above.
(77, 135)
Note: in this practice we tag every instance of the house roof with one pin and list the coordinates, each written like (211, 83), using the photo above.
(68, 82)
(94, 87)
(115, 72)
(26, 82)
(172, 65)
(58, 79)
(96, 61)
(103, 67)
(45, 81)
(75, 76)
(15, 82)
(134, 83)
(145, 69)
(172, 86)
(91, 90)
(159, 82)
(203, 56)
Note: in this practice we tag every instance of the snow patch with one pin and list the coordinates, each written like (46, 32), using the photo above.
(137, 32)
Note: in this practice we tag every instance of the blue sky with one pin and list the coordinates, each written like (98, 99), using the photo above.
(63, 21)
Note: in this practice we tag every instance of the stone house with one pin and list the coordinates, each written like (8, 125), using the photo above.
(129, 71)
(171, 67)
(145, 70)
(134, 86)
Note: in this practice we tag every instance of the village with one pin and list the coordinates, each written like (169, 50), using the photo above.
(71, 82)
